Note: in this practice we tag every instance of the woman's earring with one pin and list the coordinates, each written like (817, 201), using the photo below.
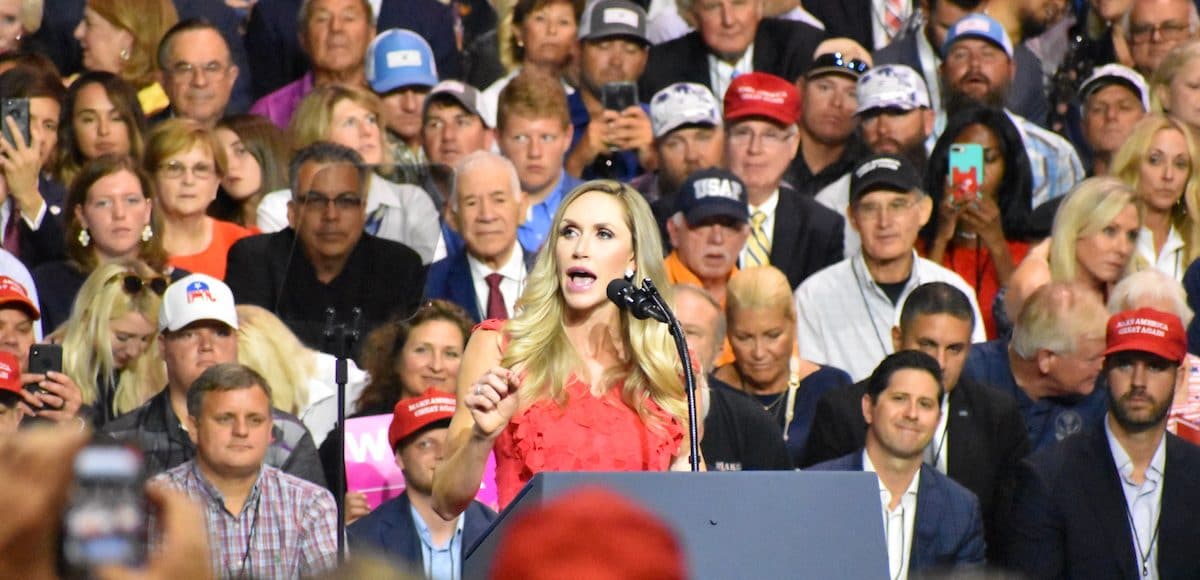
(629, 272)
(84, 238)
(124, 54)
(147, 233)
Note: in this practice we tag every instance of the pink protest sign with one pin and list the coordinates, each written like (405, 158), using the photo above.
(371, 466)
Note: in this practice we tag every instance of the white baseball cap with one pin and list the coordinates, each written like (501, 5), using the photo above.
(683, 104)
(196, 297)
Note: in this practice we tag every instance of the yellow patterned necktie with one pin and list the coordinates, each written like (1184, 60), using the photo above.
(758, 247)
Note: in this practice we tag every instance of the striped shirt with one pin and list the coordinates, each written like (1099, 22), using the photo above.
(287, 527)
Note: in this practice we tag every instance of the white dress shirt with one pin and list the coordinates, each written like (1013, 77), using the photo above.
(879, 31)
(511, 285)
(897, 523)
(939, 446)
(1143, 502)
(721, 73)
(768, 207)
(1170, 260)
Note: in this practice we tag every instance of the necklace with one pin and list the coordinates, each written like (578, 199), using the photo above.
(249, 538)
(788, 397)
(1143, 557)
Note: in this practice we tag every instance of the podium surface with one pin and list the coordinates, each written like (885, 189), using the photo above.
(763, 524)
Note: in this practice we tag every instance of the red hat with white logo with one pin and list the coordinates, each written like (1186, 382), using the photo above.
(12, 293)
(10, 372)
(416, 413)
(1147, 330)
(759, 94)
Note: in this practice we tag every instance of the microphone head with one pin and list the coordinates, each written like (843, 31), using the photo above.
(618, 291)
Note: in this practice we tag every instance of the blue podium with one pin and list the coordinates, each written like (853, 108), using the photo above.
(764, 524)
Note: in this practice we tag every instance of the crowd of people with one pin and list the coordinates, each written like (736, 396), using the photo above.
(950, 242)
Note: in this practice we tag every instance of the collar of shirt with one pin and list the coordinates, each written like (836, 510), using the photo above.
(879, 33)
(886, 495)
(214, 495)
(863, 275)
(1170, 260)
(512, 281)
(513, 269)
(426, 534)
(1154, 472)
(906, 510)
(679, 273)
(768, 207)
(721, 73)
(936, 452)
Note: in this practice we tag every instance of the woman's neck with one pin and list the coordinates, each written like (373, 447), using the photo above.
(250, 212)
(105, 258)
(1159, 224)
(774, 386)
(186, 235)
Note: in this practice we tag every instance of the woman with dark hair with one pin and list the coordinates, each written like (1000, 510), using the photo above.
(100, 116)
(256, 155)
(981, 239)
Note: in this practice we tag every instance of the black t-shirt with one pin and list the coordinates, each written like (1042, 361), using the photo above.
(894, 289)
(739, 435)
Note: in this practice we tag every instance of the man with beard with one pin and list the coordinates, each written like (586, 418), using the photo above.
(977, 67)
(828, 147)
(1117, 502)
(895, 118)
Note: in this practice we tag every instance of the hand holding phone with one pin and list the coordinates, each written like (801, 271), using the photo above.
(106, 518)
(618, 96)
(18, 111)
(966, 172)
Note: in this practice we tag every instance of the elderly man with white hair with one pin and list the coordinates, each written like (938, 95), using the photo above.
(486, 203)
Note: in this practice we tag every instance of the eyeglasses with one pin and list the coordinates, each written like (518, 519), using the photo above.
(744, 134)
(874, 211)
(134, 284)
(318, 202)
(189, 70)
(1167, 31)
(837, 60)
(176, 170)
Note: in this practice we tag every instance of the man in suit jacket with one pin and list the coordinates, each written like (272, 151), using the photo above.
(273, 38)
(1118, 501)
(787, 230)
(487, 276)
(407, 526)
(921, 49)
(730, 40)
(325, 260)
(930, 522)
(981, 437)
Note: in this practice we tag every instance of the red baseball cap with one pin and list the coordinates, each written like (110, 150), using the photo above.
(1147, 330)
(416, 413)
(10, 372)
(12, 293)
(759, 94)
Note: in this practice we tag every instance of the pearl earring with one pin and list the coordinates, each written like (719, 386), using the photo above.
(124, 54)
(84, 238)
(147, 233)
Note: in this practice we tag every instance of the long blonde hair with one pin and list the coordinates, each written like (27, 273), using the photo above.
(540, 349)
(1089, 207)
(266, 345)
(1127, 165)
(87, 342)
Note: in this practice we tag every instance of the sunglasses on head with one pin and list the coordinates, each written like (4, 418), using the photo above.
(837, 60)
(133, 284)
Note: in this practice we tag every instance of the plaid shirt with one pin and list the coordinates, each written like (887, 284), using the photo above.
(287, 527)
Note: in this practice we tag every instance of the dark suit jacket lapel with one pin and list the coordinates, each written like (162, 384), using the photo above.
(1179, 537)
(1099, 476)
(695, 63)
(930, 499)
(410, 547)
(765, 51)
(462, 288)
(960, 436)
(788, 224)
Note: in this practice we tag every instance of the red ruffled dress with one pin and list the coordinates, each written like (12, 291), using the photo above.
(586, 433)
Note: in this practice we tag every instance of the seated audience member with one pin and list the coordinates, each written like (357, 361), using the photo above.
(349, 116)
(688, 137)
(1112, 101)
(453, 124)
(406, 526)
(534, 130)
(1154, 289)
(305, 381)
(1116, 500)
(788, 230)
(1051, 362)
(829, 147)
(610, 144)
(1161, 161)
(30, 203)
(57, 398)
(10, 394)
(737, 435)
(981, 436)
(978, 68)
(334, 34)
(230, 423)
(921, 50)
(624, 540)
(894, 118)
(538, 36)
(13, 268)
(100, 116)
(403, 358)
(848, 310)
(325, 259)
(187, 163)
(401, 71)
(198, 72)
(707, 230)
(981, 232)
(762, 331)
(22, 20)
(930, 521)
(730, 40)
(122, 38)
(197, 326)
(110, 218)
(256, 158)
(487, 276)
(1175, 23)
(110, 341)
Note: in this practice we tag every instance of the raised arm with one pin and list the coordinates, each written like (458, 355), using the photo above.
(487, 400)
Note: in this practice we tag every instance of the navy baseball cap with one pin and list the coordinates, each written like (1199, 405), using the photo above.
(712, 192)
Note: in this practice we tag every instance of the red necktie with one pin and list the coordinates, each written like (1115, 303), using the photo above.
(495, 303)
(12, 241)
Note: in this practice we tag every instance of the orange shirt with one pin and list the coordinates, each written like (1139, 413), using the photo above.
(678, 273)
(977, 269)
(212, 260)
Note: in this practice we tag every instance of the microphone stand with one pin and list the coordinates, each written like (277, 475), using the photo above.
(340, 340)
(689, 378)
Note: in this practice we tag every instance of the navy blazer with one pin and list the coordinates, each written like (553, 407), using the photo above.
(807, 237)
(1069, 520)
(450, 279)
(948, 531)
(389, 530)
